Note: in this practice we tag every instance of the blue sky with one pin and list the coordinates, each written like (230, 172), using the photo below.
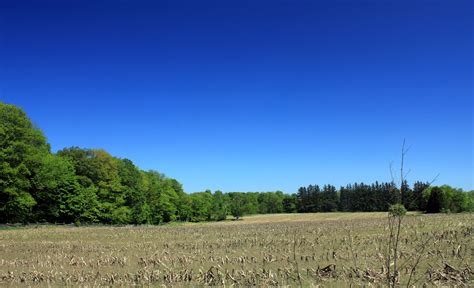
(250, 95)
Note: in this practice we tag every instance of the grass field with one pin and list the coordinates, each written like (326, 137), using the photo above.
(324, 249)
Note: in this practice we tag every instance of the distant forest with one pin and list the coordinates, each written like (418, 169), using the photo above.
(77, 185)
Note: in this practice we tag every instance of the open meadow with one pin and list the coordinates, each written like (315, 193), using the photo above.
(323, 249)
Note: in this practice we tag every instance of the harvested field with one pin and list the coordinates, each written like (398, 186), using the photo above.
(325, 249)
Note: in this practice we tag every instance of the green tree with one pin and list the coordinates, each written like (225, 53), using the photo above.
(270, 202)
(290, 203)
(237, 205)
(455, 200)
(408, 197)
(184, 207)
(201, 203)
(250, 203)
(22, 146)
(131, 180)
(160, 197)
(121, 215)
(470, 199)
(85, 206)
(435, 200)
(98, 167)
(329, 199)
(56, 188)
(219, 206)
(418, 189)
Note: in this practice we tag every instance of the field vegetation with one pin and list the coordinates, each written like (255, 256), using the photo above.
(314, 249)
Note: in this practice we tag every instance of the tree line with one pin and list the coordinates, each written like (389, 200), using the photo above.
(380, 196)
(91, 186)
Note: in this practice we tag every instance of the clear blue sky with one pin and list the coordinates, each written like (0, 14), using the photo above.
(250, 95)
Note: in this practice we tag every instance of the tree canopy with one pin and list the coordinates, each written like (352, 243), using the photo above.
(91, 186)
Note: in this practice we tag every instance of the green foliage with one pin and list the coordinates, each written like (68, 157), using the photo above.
(436, 200)
(455, 200)
(121, 215)
(270, 202)
(219, 206)
(290, 203)
(161, 198)
(184, 207)
(447, 199)
(55, 187)
(85, 206)
(408, 197)
(470, 201)
(201, 204)
(78, 185)
(132, 184)
(356, 197)
(22, 146)
(397, 210)
(419, 191)
(237, 205)
(329, 199)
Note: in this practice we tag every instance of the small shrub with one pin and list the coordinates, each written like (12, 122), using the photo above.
(397, 210)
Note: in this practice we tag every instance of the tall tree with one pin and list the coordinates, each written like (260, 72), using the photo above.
(290, 203)
(329, 199)
(102, 170)
(22, 147)
(219, 207)
(237, 205)
(56, 190)
(418, 188)
(435, 201)
(133, 188)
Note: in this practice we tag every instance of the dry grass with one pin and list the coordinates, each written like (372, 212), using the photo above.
(331, 249)
(319, 217)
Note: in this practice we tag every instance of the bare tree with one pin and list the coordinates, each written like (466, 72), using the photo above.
(395, 217)
(396, 214)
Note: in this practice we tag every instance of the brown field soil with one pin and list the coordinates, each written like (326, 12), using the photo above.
(310, 250)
